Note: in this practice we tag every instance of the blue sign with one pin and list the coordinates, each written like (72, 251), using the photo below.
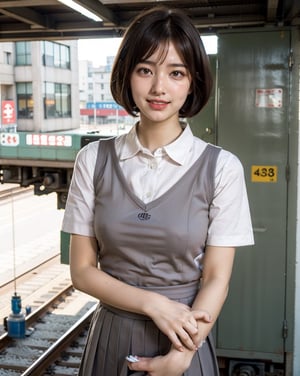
(104, 106)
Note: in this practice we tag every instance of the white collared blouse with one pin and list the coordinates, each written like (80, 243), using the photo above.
(151, 174)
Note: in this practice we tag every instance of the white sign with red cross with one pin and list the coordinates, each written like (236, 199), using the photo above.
(8, 112)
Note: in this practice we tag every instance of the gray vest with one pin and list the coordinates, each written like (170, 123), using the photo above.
(158, 243)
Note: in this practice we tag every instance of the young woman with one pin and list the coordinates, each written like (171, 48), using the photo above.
(155, 215)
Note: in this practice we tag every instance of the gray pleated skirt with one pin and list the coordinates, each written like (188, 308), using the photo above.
(114, 334)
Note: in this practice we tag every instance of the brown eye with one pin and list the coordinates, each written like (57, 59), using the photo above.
(144, 71)
(177, 74)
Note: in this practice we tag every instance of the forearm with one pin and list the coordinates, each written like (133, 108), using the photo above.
(210, 299)
(113, 292)
(217, 269)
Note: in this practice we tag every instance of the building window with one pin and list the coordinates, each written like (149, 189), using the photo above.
(7, 58)
(56, 55)
(64, 56)
(23, 53)
(24, 100)
(57, 100)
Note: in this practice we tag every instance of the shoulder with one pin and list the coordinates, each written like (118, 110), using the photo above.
(88, 151)
(226, 160)
(229, 160)
(229, 165)
(88, 154)
(229, 171)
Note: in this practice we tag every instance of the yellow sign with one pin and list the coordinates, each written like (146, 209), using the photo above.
(264, 174)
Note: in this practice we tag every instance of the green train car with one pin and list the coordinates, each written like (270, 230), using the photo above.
(43, 160)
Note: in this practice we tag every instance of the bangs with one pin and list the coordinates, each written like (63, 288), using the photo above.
(161, 47)
(155, 35)
(151, 43)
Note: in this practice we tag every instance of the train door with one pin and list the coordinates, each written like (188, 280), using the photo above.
(204, 124)
(252, 122)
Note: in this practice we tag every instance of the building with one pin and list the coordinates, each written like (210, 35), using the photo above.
(97, 106)
(40, 79)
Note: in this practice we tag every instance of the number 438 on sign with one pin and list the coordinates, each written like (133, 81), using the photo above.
(264, 174)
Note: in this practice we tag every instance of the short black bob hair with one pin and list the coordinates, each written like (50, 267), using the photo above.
(154, 29)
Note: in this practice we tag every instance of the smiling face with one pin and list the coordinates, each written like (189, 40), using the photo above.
(148, 38)
(160, 85)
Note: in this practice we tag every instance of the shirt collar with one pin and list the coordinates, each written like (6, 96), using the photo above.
(177, 150)
(130, 145)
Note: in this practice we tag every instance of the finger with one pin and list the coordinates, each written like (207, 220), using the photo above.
(191, 328)
(192, 321)
(141, 365)
(186, 340)
(177, 343)
(202, 315)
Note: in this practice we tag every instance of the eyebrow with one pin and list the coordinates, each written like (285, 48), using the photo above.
(150, 62)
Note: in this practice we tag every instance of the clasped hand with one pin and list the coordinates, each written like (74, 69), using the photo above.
(178, 322)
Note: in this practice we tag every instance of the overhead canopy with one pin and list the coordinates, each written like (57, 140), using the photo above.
(51, 19)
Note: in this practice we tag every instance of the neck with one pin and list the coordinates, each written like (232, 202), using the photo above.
(157, 135)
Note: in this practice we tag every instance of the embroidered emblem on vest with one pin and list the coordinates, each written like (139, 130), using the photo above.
(144, 216)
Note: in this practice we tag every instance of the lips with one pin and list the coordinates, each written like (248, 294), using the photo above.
(158, 104)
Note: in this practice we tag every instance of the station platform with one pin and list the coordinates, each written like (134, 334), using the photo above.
(4, 187)
(29, 232)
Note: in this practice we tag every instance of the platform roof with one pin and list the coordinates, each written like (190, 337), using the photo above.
(51, 19)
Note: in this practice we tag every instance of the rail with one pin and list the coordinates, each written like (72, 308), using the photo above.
(53, 353)
(34, 316)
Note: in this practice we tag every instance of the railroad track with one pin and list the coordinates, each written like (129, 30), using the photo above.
(63, 357)
(51, 332)
(58, 314)
(47, 306)
(57, 326)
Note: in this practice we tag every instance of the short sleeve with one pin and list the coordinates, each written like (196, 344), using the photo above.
(230, 220)
(79, 211)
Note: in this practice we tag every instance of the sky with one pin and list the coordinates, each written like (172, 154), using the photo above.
(96, 50)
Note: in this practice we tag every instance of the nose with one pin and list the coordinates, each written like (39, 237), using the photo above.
(158, 84)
